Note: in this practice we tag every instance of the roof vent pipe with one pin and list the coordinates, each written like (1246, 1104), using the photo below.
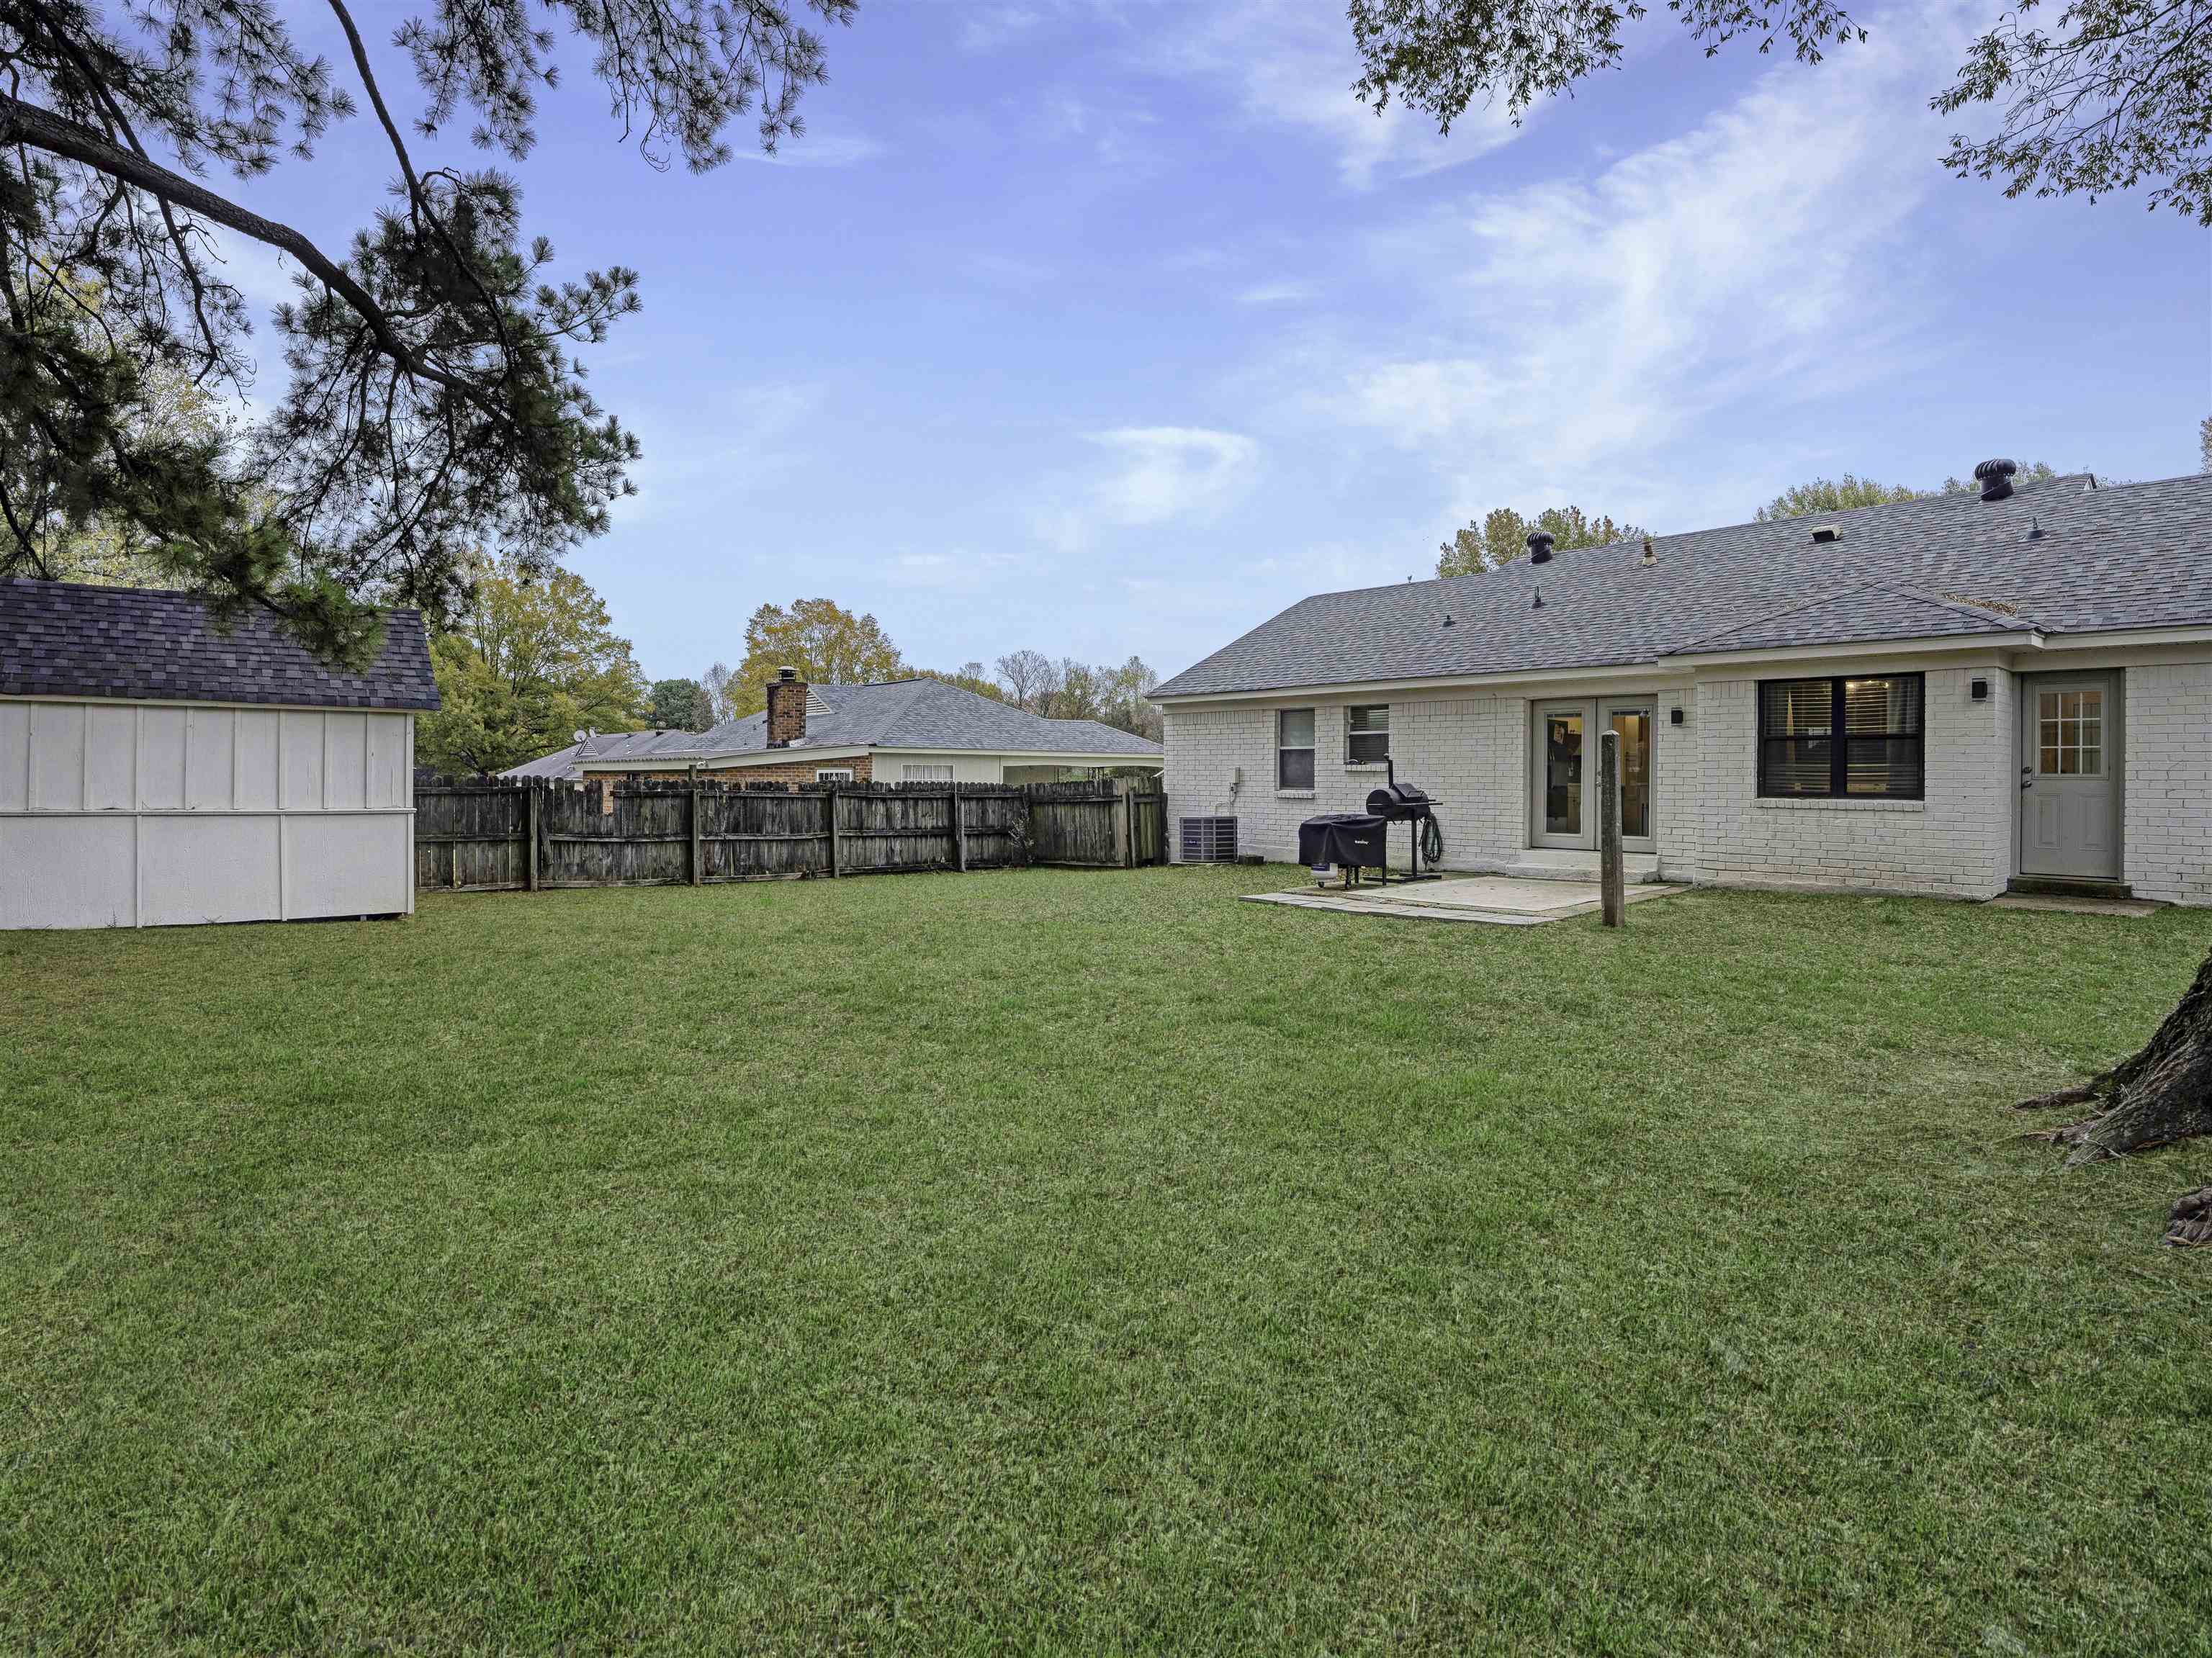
(1540, 546)
(1996, 478)
(1650, 557)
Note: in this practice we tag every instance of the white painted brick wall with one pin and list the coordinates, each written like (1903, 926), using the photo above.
(1956, 842)
(1470, 753)
(2167, 813)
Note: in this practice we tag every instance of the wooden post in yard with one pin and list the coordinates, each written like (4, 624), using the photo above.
(1615, 898)
(536, 801)
(829, 805)
(1122, 841)
(698, 868)
(959, 833)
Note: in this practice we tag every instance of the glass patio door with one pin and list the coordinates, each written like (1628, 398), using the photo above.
(1563, 764)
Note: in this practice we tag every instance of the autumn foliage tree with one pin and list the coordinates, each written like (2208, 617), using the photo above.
(1501, 536)
(535, 659)
(827, 643)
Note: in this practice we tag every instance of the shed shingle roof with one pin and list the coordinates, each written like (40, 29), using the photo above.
(2134, 555)
(61, 639)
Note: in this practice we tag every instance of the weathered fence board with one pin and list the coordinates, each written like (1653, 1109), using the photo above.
(487, 834)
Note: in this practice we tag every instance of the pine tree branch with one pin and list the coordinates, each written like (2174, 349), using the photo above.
(43, 129)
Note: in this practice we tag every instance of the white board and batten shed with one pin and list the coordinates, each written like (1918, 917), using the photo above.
(157, 771)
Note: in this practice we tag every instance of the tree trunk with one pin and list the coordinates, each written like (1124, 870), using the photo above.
(2161, 1094)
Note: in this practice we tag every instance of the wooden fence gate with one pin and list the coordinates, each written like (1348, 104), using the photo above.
(486, 834)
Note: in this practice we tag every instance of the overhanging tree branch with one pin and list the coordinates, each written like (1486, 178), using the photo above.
(41, 129)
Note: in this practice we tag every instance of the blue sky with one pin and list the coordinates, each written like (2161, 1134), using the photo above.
(1104, 328)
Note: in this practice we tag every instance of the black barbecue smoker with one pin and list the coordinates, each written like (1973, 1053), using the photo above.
(1357, 840)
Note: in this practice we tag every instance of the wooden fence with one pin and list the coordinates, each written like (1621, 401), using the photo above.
(486, 834)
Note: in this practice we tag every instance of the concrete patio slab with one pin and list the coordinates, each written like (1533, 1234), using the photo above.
(1498, 901)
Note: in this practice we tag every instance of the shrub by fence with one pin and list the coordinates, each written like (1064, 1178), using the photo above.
(488, 835)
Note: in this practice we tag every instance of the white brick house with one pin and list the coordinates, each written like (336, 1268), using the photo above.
(1945, 696)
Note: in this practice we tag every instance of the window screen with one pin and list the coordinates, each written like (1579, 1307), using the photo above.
(1862, 737)
(1294, 749)
(1367, 735)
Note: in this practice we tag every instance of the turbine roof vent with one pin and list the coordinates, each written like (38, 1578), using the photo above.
(1996, 478)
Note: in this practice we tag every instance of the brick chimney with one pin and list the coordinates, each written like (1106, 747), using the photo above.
(787, 708)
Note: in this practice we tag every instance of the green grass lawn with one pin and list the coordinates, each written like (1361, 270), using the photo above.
(1069, 1262)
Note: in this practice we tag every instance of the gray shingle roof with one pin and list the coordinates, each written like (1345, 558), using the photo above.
(899, 713)
(561, 763)
(1874, 610)
(60, 639)
(2135, 555)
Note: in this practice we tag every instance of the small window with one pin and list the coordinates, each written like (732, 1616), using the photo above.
(1851, 738)
(1294, 749)
(837, 775)
(1367, 735)
(2071, 732)
(925, 774)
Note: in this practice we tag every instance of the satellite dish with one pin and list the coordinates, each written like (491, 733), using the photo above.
(577, 736)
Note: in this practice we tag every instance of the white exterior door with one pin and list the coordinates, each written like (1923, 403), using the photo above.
(2070, 776)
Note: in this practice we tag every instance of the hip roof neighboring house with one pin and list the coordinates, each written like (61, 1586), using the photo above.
(65, 640)
(2058, 557)
(923, 715)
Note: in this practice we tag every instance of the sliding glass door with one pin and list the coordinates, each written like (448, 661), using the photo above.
(1563, 765)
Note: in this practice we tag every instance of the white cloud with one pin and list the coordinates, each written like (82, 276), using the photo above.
(753, 437)
(1567, 331)
(1165, 472)
(811, 149)
(1293, 63)
(1276, 293)
(1147, 476)
(987, 28)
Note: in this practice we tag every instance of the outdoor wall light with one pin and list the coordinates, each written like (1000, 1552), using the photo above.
(1981, 689)
(1673, 716)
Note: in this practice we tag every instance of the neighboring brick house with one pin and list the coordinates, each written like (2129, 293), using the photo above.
(901, 730)
(1947, 695)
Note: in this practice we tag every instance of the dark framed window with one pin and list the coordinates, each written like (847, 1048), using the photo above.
(1294, 748)
(1367, 735)
(1857, 738)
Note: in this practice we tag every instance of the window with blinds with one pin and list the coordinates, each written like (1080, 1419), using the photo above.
(1859, 738)
(1367, 735)
(1294, 749)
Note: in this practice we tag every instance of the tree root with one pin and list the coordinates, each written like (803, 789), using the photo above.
(2156, 1095)
(2190, 1221)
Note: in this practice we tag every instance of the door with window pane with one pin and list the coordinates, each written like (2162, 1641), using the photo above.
(1633, 723)
(1563, 763)
(2070, 776)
